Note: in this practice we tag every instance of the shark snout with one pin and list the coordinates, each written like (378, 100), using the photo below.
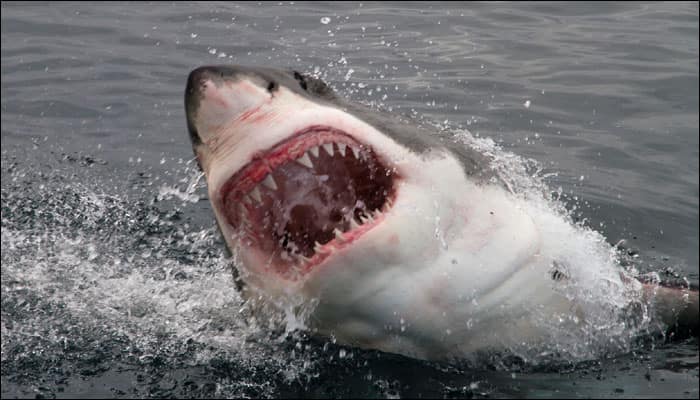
(218, 95)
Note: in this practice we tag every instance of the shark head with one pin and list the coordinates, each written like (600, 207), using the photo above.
(377, 219)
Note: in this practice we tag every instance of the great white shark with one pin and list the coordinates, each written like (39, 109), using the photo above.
(402, 241)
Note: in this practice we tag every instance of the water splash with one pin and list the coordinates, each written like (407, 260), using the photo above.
(95, 282)
(609, 314)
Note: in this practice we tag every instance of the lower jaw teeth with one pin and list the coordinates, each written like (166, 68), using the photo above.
(339, 235)
(292, 254)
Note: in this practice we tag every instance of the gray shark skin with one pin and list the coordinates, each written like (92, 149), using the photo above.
(395, 239)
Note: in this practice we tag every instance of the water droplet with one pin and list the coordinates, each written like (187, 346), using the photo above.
(350, 72)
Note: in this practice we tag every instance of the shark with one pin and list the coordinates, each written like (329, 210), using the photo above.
(402, 241)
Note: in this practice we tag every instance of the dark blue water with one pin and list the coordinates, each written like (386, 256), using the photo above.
(114, 281)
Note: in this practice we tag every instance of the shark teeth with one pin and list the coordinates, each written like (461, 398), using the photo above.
(329, 148)
(255, 197)
(339, 235)
(302, 259)
(255, 194)
(317, 247)
(369, 216)
(269, 182)
(366, 218)
(314, 151)
(305, 161)
(387, 205)
(341, 148)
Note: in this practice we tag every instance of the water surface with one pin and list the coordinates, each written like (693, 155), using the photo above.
(114, 281)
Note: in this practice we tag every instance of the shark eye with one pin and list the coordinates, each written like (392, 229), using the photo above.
(301, 79)
(272, 86)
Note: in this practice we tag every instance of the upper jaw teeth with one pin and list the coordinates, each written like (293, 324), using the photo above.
(255, 194)
(329, 148)
(314, 151)
(269, 181)
(305, 161)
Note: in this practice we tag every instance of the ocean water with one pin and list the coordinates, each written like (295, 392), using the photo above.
(114, 279)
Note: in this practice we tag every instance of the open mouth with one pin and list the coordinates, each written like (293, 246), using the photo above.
(307, 197)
